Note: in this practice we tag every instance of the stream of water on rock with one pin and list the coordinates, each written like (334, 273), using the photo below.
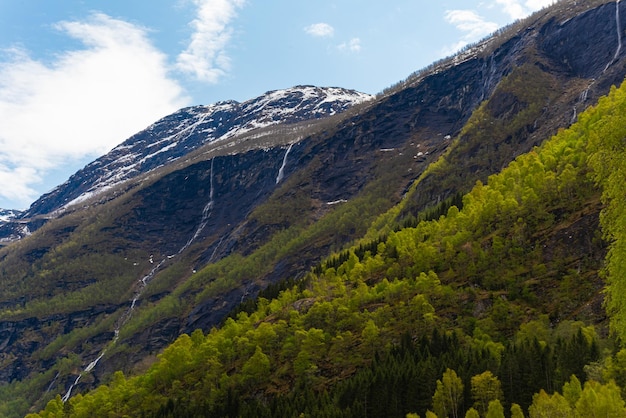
(280, 176)
(583, 96)
(619, 36)
(140, 287)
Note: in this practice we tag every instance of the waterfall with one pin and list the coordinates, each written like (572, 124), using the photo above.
(279, 178)
(619, 31)
(619, 37)
(69, 391)
(206, 213)
(141, 285)
(215, 249)
(93, 364)
(120, 323)
(52, 383)
(583, 96)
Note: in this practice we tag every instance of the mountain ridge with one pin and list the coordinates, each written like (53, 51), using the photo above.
(241, 221)
(179, 134)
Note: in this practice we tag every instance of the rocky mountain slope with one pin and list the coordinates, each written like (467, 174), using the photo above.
(178, 135)
(107, 283)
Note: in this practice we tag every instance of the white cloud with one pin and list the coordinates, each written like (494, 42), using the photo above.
(205, 57)
(474, 26)
(354, 45)
(538, 4)
(82, 104)
(324, 30)
(513, 8)
(320, 30)
(516, 10)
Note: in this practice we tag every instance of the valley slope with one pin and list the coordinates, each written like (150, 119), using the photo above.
(114, 272)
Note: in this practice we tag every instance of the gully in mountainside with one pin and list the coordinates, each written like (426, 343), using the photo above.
(144, 281)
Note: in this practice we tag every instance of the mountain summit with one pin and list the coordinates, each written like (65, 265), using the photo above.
(177, 135)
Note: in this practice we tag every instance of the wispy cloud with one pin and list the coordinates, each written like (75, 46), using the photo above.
(324, 30)
(80, 105)
(538, 4)
(205, 57)
(474, 27)
(517, 9)
(354, 45)
(320, 30)
(513, 8)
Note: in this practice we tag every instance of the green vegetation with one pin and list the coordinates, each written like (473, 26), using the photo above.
(78, 252)
(469, 314)
(607, 133)
(497, 130)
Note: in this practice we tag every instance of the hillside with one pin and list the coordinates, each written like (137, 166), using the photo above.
(504, 288)
(343, 214)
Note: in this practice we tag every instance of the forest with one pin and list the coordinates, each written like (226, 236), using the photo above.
(505, 302)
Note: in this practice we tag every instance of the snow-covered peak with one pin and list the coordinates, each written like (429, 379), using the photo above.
(190, 128)
(284, 104)
(7, 215)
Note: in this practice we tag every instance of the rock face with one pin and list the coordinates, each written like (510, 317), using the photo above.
(534, 83)
(186, 130)
(588, 44)
(178, 135)
(527, 83)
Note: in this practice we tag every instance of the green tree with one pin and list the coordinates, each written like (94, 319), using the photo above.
(516, 411)
(549, 406)
(606, 126)
(615, 368)
(495, 410)
(485, 388)
(370, 336)
(54, 409)
(572, 390)
(448, 395)
(257, 368)
(472, 413)
(597, 400)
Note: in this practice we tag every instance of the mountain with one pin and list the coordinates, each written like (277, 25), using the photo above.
(8, 214)
(435, 226)
(178, 135)
(17, 230)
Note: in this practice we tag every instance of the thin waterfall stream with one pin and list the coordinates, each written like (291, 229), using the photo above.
(281, 171)
(583, 96)
(619, 36)
(140, 287)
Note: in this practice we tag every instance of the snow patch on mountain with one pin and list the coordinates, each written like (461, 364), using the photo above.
(190, 128)
(7, 215)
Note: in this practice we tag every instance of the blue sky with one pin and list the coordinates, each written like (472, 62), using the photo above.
(78, 77)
